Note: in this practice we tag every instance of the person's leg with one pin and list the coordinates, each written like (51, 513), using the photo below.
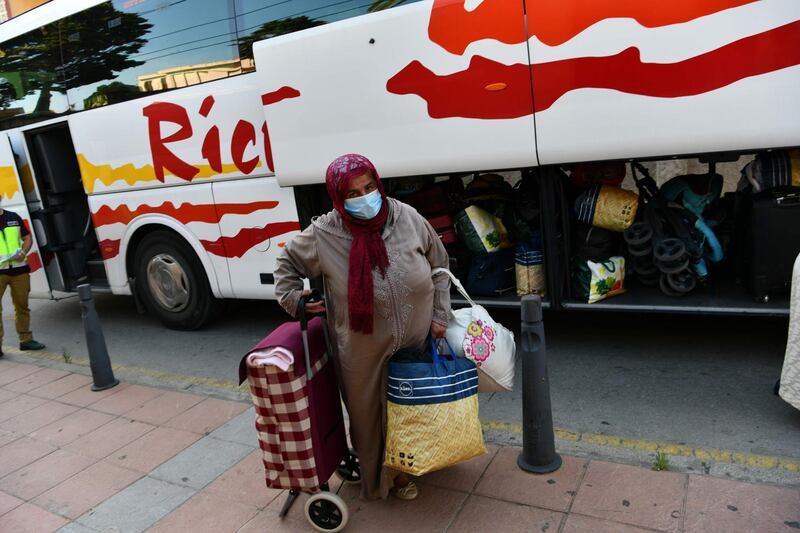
(20, 288)
(3, 285)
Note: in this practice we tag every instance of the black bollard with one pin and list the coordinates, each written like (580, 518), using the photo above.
(102, 374)
(538, 442)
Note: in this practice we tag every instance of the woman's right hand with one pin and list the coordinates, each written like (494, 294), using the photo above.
(314, 308)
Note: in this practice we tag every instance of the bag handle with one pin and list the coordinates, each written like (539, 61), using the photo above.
(456, 282)
(301, 314)
(437, 358)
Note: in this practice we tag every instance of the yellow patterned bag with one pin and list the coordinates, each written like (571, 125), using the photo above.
(432, 412)
(607, 207)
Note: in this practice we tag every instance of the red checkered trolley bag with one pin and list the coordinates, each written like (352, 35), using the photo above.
(299, 420)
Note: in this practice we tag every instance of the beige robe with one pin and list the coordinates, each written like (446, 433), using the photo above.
(790, 376)
(407, 300)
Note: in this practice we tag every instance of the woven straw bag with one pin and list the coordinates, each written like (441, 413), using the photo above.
(432, 415)
(607, 207)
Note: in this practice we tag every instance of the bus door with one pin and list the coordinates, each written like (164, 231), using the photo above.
(62, 220)
(12, 198)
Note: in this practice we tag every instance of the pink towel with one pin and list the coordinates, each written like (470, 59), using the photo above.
(277, 356)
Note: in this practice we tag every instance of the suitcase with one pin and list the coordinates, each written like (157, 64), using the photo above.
(299, 419)
(771, 241)
(445, 229)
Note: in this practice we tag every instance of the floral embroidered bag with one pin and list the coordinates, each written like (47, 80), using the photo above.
(474, 334)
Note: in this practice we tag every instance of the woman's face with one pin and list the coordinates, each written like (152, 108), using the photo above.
(361, 185)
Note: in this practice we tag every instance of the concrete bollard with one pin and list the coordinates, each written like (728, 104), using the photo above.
(538, 442)
(102, 374)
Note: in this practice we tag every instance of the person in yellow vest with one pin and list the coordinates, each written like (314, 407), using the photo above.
(15, 243)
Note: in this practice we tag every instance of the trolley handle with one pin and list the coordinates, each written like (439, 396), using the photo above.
(315, 296)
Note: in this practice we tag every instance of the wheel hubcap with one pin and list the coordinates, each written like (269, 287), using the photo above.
(168, 283)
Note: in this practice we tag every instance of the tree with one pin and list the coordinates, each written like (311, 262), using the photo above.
(87, 47)
(380, 5)
(274, 28)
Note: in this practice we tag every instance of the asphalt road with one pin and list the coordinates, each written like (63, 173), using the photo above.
(700, 381)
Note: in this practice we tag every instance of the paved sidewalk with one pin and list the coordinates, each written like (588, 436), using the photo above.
(138, 458)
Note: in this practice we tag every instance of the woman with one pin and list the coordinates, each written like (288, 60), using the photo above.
(375, 255)
(789, 384)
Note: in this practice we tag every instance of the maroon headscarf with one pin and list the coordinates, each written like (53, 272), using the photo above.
(367, 251)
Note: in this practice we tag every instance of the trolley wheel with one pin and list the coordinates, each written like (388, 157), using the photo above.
(327, 512)
(349, 471)
(669, 250)
(638, 234)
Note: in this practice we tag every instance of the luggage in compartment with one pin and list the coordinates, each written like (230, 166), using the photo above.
(770, 229)
(492, 274)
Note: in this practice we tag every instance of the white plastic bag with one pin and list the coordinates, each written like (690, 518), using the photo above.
(474, 334)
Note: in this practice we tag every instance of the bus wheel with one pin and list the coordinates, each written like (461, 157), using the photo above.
(172, 283)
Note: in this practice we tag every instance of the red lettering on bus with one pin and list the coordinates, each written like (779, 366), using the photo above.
(163, 158)
(267, 147)
(210, 149)
(243, 134)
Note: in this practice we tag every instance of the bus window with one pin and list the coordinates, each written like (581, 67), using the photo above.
(31, 85)
(256, 21)
(121, 50)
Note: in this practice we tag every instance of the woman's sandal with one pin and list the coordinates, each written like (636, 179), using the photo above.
(407, 492)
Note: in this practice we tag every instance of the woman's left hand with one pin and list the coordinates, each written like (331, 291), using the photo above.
(437, 330)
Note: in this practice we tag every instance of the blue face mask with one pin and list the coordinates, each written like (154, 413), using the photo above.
(364, 207)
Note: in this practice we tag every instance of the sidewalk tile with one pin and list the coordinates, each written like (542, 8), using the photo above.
(152, 449)
(16, 406)
(38, 417)
(632, 495)
(86, 489)
(109, 438)
(8, 502)
(586, 524)
(65, 385)
(207, 415)
(126, 399)
(137, 507)
(28, 518)
(39, 476)
(7, 436)
(17, 372)
(245, 483)
(722, 505)
(267, 521)
(162, 408)
(6, 395)
(22, 452)
(74, 527)
(72, 426)
(504, 480)
(461, 477)
(485, 514)
(241, 429)
(201, 463)
(85, 396)
(205, 513)
(433, 510)
(36, 380)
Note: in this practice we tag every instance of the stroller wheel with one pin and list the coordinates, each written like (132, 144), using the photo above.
(641, 250)
(638, 234)
(327, 512)
(645, 269)
(673, 267)
(349, 471)
(663, 284)
(682, 282)
(669, 250)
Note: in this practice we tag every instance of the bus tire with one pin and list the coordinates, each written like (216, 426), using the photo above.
(172, 284)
